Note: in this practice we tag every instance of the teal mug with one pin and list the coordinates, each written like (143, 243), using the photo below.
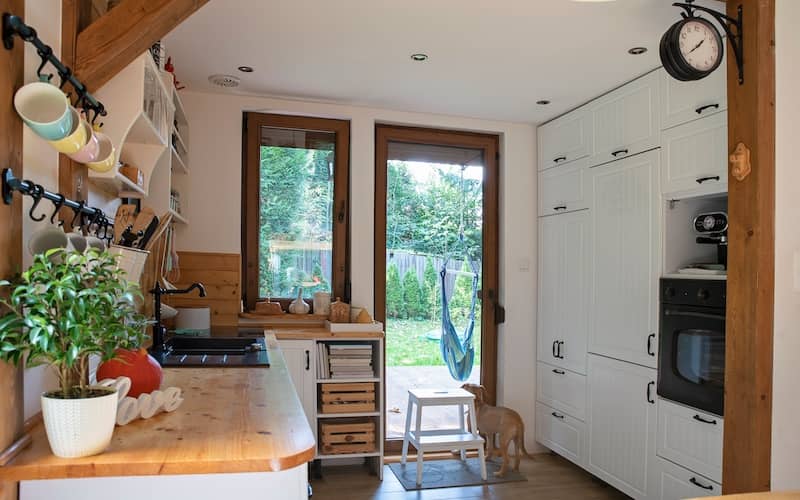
(45, 109)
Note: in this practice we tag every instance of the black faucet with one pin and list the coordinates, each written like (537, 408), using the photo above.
(159, 330)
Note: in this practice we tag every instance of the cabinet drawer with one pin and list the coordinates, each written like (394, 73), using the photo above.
(690, 438)
(565, 139)
(694, 157)
(562, 390)
(683, 102)
(561, 433)
(565, 188)
(672, 482)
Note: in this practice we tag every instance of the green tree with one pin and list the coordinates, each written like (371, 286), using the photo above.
(430, 291)
(394, 293)
(412, 295)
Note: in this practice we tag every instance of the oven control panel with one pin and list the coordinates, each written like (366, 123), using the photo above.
(693, 292)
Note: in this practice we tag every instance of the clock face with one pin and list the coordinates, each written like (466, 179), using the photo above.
(699, 44)
(708, 222)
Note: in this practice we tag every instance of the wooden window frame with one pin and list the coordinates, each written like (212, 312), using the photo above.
(252, 123)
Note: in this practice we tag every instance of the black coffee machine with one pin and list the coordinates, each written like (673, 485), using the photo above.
(712, 229)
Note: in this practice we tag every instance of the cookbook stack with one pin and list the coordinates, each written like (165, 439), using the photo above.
(350, 361)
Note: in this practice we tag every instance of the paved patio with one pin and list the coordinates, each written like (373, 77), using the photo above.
(399, 379)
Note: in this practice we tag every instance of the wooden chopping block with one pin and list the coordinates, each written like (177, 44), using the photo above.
(125, 216)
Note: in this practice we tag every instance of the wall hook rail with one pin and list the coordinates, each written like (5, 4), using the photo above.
(13, 25)
(732, 27)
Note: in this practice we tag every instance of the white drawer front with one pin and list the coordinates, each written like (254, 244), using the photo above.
(673, 482)
(690, 438)
(562, 390)
(561, 433)
(694, 157)
(565, 188)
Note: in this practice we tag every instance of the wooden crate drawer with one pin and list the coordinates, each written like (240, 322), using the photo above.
(347, 436)
(347, 398)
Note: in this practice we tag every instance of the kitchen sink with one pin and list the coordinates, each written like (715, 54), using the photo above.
(212, 352)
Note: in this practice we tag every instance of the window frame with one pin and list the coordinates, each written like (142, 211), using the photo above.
(252, 123)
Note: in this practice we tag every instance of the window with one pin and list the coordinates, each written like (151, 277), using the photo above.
(294, 206)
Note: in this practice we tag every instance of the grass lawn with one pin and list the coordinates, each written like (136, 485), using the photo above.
(407, 344)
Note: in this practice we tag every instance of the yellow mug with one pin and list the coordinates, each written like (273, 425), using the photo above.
(77, 137)
(106, 154)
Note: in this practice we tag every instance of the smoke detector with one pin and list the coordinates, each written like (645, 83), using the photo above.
(224, 81)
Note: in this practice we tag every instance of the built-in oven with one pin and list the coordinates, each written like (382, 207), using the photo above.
(691, 365)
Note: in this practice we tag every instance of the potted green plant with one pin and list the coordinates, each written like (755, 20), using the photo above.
(66, 307)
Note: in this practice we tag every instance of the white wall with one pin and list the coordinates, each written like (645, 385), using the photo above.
(786, 368)
(214, 199)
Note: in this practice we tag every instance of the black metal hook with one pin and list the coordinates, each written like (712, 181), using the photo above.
(95, 221)
(45, 55)
(37, 191)
(58, 204)
(78, 214)
(64, 77)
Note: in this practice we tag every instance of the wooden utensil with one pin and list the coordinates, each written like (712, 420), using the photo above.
(125, 216)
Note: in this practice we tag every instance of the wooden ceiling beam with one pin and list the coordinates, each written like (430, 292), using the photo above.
(121, 35)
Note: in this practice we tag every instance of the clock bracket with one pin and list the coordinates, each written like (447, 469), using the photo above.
(732, 27)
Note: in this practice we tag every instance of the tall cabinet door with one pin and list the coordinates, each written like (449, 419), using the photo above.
(300, 360)
(564, 289)
(625, 254)
(622, 419)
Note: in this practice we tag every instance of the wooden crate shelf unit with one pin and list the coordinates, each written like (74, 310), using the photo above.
(348, 437)
(348, 398)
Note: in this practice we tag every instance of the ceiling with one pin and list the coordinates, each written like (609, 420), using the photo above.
(490, 59)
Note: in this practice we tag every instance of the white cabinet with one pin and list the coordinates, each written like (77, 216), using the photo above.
(694, 157)
(565, 188)
(672, 482)
(561, 433)
(682, 102)
(564, 289)
(561, 389)
(300, 360)
(690, 438)
(626, 121)
(626, 237)
(565, 139)
(621, 422)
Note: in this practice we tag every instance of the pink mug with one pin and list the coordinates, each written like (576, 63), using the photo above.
(91, 150)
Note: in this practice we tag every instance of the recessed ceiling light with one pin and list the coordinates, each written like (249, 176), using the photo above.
(419, 57)
(225, 81)
(543, 102)
(246, 69)
(636, 51)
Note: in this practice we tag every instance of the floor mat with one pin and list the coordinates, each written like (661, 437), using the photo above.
(450, 474)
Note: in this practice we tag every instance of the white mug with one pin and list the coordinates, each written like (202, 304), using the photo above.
(96, 243)
(47, 238)
(78, 241)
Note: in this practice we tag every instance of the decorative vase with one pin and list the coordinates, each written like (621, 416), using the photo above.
(340, 312)
(298, 305)
(322, 303)
(143, 370)
(80, 427)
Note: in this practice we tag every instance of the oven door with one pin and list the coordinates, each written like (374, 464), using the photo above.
(691, 367)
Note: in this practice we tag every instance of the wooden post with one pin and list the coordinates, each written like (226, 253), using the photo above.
(11, 68)
(751, 257)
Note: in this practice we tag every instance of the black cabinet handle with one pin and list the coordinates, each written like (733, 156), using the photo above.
(557, 415)
(555, 343)
(559, 372)
(649, 396)
(700, 485)
(710, 178)
(650, 339)
(559, 159)
(308, 360)
(560, 207)
(707, 106)
(701, 419)
(560, 344)
(619, 152)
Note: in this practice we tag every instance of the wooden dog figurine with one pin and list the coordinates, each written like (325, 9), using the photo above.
(506, 422)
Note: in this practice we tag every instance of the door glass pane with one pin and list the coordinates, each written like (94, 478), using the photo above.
(295, 211)
(434, 195)
(700, 357)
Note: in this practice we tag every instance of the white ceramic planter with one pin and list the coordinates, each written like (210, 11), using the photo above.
(79, 427)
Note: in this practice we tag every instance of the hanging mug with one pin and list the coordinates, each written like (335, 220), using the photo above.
(45, 109)
(78, 241)
(48, 238)
(90, 151)
(77, 137)
(106, 156)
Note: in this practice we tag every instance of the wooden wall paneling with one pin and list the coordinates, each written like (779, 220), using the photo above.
(750, 306)
(114, 40)
(221, 275)
(11, 78)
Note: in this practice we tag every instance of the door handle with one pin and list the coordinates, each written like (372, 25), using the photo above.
(499, 311)
(560, 207)
(557, 415)
(619, 152)
(555, 343)
(700, 485)
(649, 395)
(705, 421)
(560, 344)
(559, 372)
(650, 339)
(308, 360)
(559, 159)
(700, 110)
(709, 178)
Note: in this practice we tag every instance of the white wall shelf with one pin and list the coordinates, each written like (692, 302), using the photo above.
(178, 165)
(118, 185)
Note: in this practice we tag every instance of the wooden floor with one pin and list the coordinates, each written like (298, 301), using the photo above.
(549, 477)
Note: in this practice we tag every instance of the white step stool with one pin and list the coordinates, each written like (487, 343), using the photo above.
(442, 439)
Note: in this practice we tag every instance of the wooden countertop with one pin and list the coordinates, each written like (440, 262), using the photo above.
(232, 420)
